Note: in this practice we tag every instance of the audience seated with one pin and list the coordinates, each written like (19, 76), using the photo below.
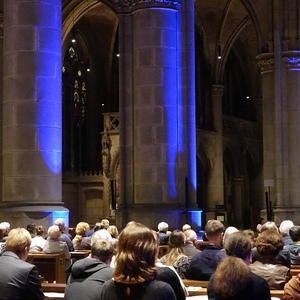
(191, 241)
(260, 223)
(113, 230)
(292, 289)
(104, 223)
(252, 236)
(186, 227)
(136, 269)
(204, 264)
(97, 226)
(162, 233)
(284, 230)
(229, 230)
(294, 248)
(19, 279)
(39, 241)
(2, 244)
(5, 226)
(81, 241)
(176, 257)
(64, 237)
(233, 279)
(31, 229)
(55, 245)
(283, 256)
(89, 274)
(269, 243)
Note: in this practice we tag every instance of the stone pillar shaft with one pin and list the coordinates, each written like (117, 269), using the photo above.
(32, 128)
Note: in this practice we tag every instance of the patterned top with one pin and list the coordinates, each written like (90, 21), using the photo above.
(182, 265)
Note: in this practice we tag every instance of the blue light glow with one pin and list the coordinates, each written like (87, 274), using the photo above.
(196, 220)
(61, 214)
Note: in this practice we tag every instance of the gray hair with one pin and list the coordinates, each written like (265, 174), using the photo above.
(285, 227)
(101, 234)
(163, 226)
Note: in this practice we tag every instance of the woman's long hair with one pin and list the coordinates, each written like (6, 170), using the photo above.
(233, 274)
(176, 243)
(81, 229)
(136, 254)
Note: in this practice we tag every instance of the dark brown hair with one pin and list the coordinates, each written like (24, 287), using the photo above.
(269, 243)
(136, 254)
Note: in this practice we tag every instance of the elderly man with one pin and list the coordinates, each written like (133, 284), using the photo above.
(190, 247)
(163, 233)
(18, 279)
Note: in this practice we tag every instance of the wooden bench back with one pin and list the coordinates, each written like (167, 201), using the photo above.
(162, 250)
(51, 267)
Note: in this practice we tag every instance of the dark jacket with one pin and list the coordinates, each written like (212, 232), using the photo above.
(18, 279)
(204, 264)
(87, 278)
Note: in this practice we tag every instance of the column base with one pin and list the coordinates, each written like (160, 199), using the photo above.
(21, 214)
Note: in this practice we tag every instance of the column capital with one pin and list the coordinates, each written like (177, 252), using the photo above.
(128, 6)
(290, 60)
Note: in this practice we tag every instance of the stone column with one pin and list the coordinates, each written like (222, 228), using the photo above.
(157, 112)
(281, 118)
(215, 182)
(32, 127)
(237, 202)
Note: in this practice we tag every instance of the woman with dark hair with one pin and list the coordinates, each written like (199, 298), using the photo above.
(135, 272)
(233, 279)
(176, 257)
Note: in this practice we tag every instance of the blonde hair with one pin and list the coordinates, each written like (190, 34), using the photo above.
(18, 239)
(176, 243)
(113, 230)
(81, 229)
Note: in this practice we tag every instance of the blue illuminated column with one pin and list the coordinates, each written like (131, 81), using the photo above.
(157, 111)
(32, 126)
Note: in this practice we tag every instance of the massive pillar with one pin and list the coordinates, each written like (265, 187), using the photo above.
(157, 112)
(32, 128)
(280, 71)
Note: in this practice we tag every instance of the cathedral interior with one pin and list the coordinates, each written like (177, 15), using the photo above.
(150, 110)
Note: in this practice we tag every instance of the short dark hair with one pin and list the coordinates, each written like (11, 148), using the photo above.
(295, 233)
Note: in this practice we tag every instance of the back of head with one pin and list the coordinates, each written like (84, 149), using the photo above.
(82, 228)
(176, 239)
(5, 226)
(40, 230)
(18, 239)
(285, 227)
(105, 223)
(113, 230)
(186, 227)
(213, 228)
(295, 233)
(269, 243)
(101, 234)
(238, 244)
(102, 250)
(31, 228)
(229, 230)
(136, 255)
(269, 226)
(190, 235)
(232, 274)
(60, 222)
(54, 232)
(163, 226)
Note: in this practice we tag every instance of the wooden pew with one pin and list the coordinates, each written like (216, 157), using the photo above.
(79, 254)
(277, 293)
(198, 283)
(162, 250)
(53, 287)
(51, 267)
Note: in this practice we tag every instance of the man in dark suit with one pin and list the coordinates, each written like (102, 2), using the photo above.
(18, 279)
(89, 274)
(190, 243)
